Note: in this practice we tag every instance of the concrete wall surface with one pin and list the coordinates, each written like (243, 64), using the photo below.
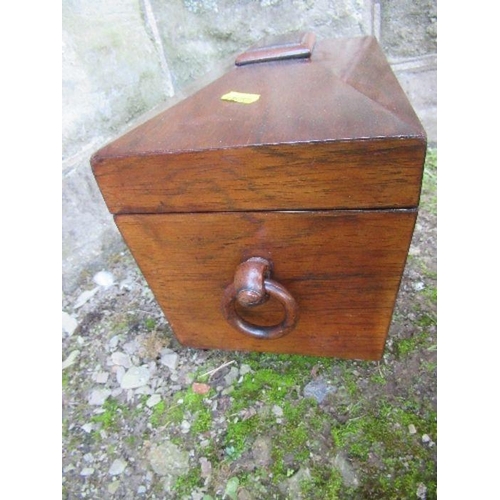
(125, 57)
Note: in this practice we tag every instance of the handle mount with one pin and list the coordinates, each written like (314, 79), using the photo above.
(251, 287)
(290, 46)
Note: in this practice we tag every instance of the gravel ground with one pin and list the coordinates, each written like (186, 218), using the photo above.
(144, 417)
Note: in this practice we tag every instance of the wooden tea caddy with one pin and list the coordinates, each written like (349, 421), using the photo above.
(278, 221)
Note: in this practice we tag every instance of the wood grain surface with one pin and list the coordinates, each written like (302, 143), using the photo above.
(370, 174)
(342, 267)
(332, 131)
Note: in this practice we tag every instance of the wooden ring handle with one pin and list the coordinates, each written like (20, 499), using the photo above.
(252, 286)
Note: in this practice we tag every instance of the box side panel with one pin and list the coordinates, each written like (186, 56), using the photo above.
(343, 269)
(367, 174)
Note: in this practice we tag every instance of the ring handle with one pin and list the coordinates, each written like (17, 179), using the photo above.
(252, 286)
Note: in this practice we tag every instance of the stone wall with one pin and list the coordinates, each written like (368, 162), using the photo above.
(123, 58)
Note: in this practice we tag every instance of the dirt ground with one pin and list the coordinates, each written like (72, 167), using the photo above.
(144, 417)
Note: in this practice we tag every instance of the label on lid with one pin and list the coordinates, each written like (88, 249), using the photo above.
(240, 97)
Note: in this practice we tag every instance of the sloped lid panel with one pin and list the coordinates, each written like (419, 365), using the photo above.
(316, 109)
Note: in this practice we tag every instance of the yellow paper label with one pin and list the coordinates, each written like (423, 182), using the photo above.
(240, 97)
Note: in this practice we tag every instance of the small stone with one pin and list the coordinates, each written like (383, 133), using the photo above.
(131, 347)
(120, 372)
(244, 494)
(346, 470)
(69, 468)
(206, 467)
(87, 471)
(104, 279)
(168, 459)
(121, 359)
(113, 341)
(292, 486)
(100, 377)
(71, 359)
(261, 451)
(88, 427)
(419, 286)
(232, 376)
(421, 491)
(414, 250)
(277, 411)
(141, 490)
(244, 369)
(169, 358)
(200, 388)
(85, 297)
(425, 438)
(88, 457)
(113, 487)
(69, 323)
(145, 389)
(318, 389)
(153, 400)
(98, 396)
(185, 426)
(117, 467)
(135, 377)
(412, 429)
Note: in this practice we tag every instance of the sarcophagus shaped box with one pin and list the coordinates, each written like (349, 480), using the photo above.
(273, 209)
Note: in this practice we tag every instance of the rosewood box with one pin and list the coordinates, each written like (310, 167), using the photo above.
(273, 209)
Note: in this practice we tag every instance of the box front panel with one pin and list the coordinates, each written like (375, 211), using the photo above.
(343, 268)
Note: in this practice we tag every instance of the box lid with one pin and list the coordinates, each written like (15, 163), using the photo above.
(326, 126)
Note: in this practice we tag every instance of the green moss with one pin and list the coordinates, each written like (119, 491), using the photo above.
(202, 421)
(265, 385)
(132, 440)
(238, 435)
(158, 414)
(191, 401)
(150, 324)
(404, 347)
(431, 294)
(299, 423)
(297, 366)
(162, 414)
(185, 402)
(111, 416)
(350, 383)
(384, 433)
(426, 320)
(185, 484)
(325, 484)
(378, 378)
